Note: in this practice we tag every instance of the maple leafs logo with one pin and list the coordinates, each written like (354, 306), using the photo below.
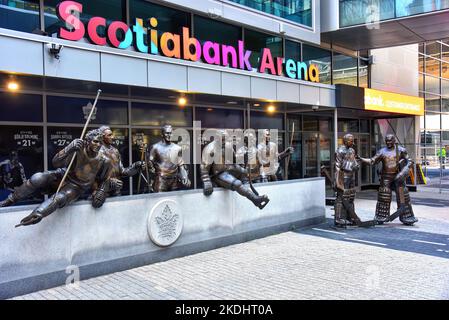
(167, 223)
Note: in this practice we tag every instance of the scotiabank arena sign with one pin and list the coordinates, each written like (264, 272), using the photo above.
(147, 39)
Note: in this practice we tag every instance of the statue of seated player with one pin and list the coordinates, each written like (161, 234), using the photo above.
(90, 165)
(215, 170)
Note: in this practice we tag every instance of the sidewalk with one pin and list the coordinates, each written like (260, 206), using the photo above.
(385, 262)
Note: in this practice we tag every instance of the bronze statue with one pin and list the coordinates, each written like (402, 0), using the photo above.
(215, 170)
(395, 170)
(346, 166)
(249, 156)
(40, 184)
(113, 185)
(90, 165)
(269, 158)
(166, 159)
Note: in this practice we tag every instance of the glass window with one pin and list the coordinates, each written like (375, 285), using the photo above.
(111, 10)
(432, 103)
(21, 155)
(421, 62)
(157, 115)
(299, 11)
(20, 15)
(20, 107)
(310, 123)
(445, 105)
(421, 48)
(344, 70)
(348, 126)
(219, 118)
(169, 20)
(432, 85)
(433, 49)
(445, 70)
(353, 12)
(262, 120)
(432, 67)
(364, 126)
(76, 110)
(256, 41)
(363, 73)
(295, 164)
(320, 57)
(216, 31)
(292, 50)
(445, 87)
(445, 51)
(59, 138)
(409, 7)
(433, 121)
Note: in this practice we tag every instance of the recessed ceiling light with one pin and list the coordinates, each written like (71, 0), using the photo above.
(271, 109)
(13, 86)
(257, 104)
(182, 101)
(231, 102)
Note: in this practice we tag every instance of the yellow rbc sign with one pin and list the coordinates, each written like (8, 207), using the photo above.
(377, 100)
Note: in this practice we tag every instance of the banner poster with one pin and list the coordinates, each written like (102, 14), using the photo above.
(21, 155)
(58, 139)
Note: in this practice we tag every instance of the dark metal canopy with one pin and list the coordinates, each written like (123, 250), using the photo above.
(421, 28)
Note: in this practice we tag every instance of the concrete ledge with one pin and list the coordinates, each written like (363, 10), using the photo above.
(115, 238)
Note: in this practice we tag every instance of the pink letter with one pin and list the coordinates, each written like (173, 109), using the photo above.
(226, 51)
(215, 59)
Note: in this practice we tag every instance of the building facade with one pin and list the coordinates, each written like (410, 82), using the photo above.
(145, 56)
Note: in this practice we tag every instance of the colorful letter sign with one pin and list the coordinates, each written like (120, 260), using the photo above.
(119, 35)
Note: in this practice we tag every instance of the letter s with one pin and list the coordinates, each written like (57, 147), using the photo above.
(74, 29)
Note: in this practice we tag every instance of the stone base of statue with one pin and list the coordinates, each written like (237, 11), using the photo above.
(133, 231)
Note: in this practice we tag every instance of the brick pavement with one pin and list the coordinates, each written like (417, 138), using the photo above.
(311, 263)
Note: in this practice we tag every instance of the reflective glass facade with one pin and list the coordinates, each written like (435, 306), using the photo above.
(434, 87)
(299, 11)
(356, 12)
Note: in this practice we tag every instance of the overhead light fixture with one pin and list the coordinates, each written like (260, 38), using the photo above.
(13, 86)
(210, 109)
(271, 109)
(231, 102)
(257, 104)
(182, 101)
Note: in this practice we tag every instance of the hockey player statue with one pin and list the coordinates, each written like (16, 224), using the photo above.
(166, 159)
(346, 165)
(113, 185)
(395, 170)
(269, 158)
(90, 166)
(216, 170)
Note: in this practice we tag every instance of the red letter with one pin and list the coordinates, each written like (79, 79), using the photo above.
(64, 12)
(266, 62)
(92, 28)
